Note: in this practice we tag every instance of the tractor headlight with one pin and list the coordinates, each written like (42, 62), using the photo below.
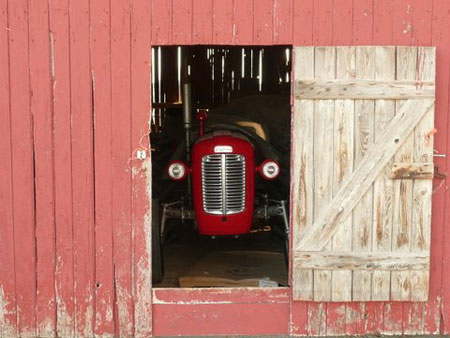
(269, 169)
(177, 170)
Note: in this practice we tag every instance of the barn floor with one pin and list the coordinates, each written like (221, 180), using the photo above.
(185, 251)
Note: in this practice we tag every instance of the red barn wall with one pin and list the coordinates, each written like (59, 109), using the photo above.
(74, 108)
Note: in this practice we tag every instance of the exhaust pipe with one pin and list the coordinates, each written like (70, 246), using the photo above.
(187, 119)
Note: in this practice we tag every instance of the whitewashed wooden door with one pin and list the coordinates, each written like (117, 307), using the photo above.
(363, 166)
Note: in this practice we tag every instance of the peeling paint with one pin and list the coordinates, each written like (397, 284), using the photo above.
(7, 329)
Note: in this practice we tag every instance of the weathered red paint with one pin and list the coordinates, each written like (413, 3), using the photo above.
(74, 201)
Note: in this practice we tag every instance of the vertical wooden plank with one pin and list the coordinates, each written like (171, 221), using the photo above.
(317, 318)
(141, 170)
(323, 22)
(440, 250)
(422, 22)
(403, 22)
(401, 231)
(82, 166)
(383, 188)
(382, 22)
(161, 22)
(303, 22)
(223, 22)
(121, 166)
(64, 269)
(282, 21)
(8, 315)
(362, 214)
(356, 318)
(243, 22)
(42, 110)
(302, 156)
(201, 21)
(263, 22)
(422, 189)
(342, 25)
(22, 169)
(375, 317)
(393, 318)
(181, 22)
(298, 318)
(343, 167)
(324, 68)
(101, 77)
(363, 22)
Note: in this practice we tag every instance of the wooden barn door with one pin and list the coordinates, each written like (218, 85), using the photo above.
(363, 158)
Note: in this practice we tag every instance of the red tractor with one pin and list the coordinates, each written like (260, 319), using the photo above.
(220, 166)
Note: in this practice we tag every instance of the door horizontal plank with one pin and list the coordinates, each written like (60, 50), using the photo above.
(389, 261)
(363, 89)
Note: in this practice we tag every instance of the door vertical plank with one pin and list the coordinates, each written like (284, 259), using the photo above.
(324, 67)
(303, 178)
(362, 213)
(22, 169)
(42, 111)
(141, 170)
(401, 232)
(343, 167)
(422, 189)
(82, 167)
(121, 165)
(64, 269)
(383, 188)
(8, 319)
(101, 77)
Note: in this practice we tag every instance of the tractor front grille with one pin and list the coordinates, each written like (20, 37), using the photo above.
(223, 183)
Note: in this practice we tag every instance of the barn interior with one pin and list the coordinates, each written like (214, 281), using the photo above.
(248, 83)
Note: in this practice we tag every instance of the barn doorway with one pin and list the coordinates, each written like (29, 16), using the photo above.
(220, 209)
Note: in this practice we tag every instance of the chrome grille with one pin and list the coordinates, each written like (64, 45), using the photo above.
(223, 183)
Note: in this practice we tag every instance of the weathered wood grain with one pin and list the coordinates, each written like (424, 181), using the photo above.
(422, 190)
(8, 318)
(141, 169)
(302, 200)
(401, 231)
(364, 139)
(318, 235)
(22, 167)
(342, 260)
(324, 67)
(383, 187)
(343, 135)
(363, 89)
(64, 267)
(418, 171)
(82, 167)
(42, 112)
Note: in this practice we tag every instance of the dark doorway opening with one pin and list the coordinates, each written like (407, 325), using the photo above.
(234, 94)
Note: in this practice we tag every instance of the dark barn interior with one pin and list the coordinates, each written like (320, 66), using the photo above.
(231, 84)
